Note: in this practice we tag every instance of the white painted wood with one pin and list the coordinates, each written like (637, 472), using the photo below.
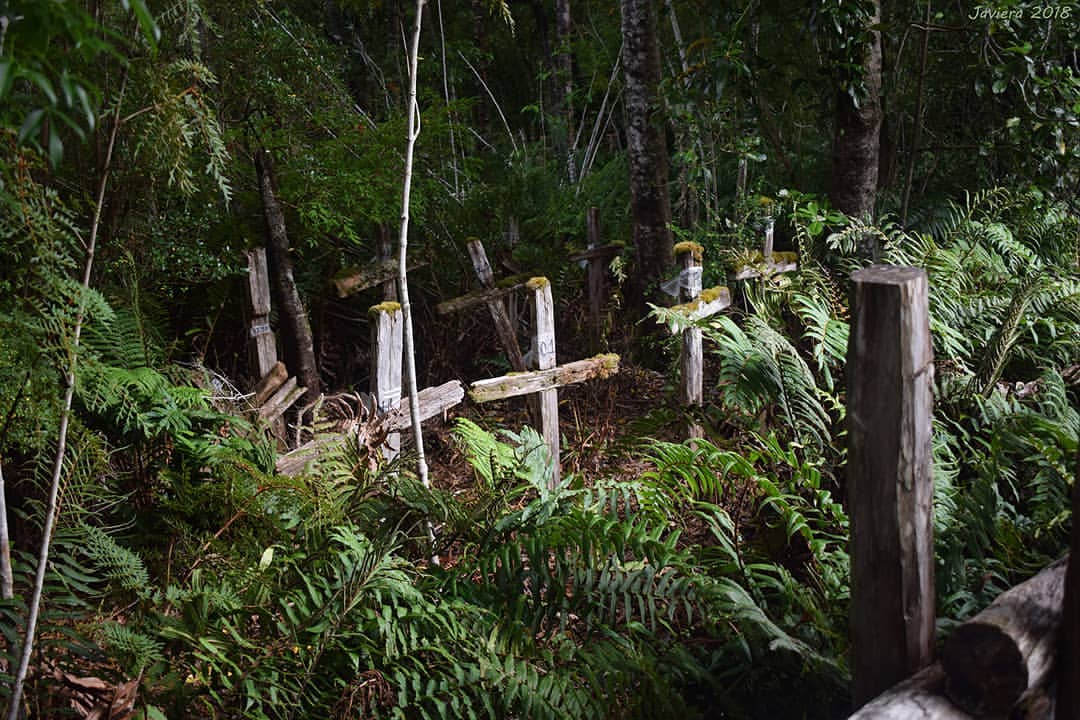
(544, 352)
(386, 352)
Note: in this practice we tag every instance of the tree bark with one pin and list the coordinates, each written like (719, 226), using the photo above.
(856, 143)
(650, 204)
(1068, 662)
(296, 330)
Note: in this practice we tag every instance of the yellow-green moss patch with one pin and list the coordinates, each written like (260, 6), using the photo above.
(689, 246)
(384, 307)
(537, 283)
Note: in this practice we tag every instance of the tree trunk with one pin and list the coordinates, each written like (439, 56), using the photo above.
(647, 151)
(564, 83)
(296, 331)
(856, 143)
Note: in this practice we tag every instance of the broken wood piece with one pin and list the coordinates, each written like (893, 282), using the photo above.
(269, 383)
(503, 327)
(281, 400)
(487, 295)
(995, 657)
(433, 401)
(355, 280)
(515, 384)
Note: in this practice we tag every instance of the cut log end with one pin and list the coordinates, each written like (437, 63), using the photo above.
(985, 669)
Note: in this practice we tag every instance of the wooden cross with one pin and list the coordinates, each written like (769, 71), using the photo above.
(696, 304)
(770, 263)
(275, 391)
(547, 376)
(597, 257)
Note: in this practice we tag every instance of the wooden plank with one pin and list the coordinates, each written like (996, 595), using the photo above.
(890, 384)
(533, 381)
(481, 297)
(357, 280)
(767, 245)
(269, 384)
(707, 304)
(258, 281)
(386, 352)
(995, 657)
(433, 401)
(1068, 671)
(262, 341)
(920, 697)
(281, 400)
(544, 353)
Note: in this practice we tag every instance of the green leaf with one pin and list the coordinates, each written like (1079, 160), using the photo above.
(149, 27)
(999, 86)
(42, 82)
(267, 558)
(6, 76)
(31, 124)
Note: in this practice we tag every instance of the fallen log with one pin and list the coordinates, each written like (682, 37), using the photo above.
(270, 383)
(920, 697)
(992, 660)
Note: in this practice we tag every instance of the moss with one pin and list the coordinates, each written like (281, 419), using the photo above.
(710, 294)
(688, 246)
(785, 257)
(512, 281)
(537, 283)
(384, 307)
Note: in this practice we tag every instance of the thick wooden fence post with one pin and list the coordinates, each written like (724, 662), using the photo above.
(263, 348)
(386, 352)
(890, 383)
(544, 348)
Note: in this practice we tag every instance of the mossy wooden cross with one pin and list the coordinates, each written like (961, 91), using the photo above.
(769, 263)
(547, 376)
(697, 304)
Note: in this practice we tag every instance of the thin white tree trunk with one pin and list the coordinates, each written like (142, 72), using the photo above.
(7, 577)
(61, 445)
(413, 130)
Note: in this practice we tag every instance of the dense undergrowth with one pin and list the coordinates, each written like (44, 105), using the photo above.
(713, 585)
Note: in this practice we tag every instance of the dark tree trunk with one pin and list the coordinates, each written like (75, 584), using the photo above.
(564, 79)
(856, 143)
(295, 329)
(647, 151)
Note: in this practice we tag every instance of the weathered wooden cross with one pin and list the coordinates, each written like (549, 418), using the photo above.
(697, 304)
(547, 377)
(275, 392)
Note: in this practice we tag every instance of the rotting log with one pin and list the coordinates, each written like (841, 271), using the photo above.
(890, 412)
(994, 658)
(269, 383)
(515, 384)
(920, 697)
(482, 297)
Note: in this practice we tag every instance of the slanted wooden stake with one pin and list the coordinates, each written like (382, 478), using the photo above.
(544, 359)
(890, 384)
(263, 347)
(499, 316)
(386, 349)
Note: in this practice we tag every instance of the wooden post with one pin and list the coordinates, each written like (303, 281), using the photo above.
(890, 405)
(386, 255)
(386, 353)
(263, 348)
(544, 349)
(597, 278)
(691, 384)
(1068, 666)
(767, 248)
